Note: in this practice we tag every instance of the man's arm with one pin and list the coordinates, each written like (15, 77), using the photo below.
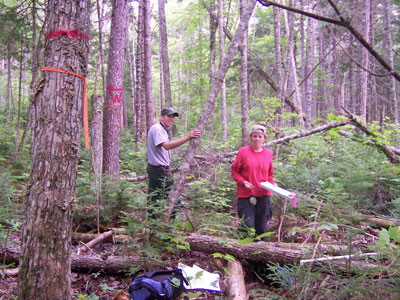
(176, 143)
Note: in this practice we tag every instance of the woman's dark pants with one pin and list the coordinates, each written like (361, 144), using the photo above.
(255, 216)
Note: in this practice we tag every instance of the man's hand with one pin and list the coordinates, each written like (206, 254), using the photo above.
(248, 185)
(195, 134)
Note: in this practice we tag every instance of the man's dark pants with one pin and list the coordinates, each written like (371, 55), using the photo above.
(160, 183)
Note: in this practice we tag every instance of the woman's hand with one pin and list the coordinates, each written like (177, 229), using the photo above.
(248, 185)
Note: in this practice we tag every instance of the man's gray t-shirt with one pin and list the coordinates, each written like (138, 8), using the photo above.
(157, 155)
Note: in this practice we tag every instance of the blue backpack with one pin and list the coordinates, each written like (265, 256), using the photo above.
(158, 285)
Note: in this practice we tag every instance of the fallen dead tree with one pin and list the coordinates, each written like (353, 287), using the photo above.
(258, 252)
(90, 263)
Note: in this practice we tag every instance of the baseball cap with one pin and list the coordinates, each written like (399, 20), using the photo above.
(259, 129)
(169, 111)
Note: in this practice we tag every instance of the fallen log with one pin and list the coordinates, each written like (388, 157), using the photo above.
(236, 288)
(258, 252)
(88, 263)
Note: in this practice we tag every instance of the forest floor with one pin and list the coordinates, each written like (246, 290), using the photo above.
(102, 286)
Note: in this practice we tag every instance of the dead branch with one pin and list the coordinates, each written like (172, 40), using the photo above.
(99, 239)
(351, 136)
(383, 147)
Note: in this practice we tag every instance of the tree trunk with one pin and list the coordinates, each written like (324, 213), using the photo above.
(101, 51)
(365, 61)
(115, 81)
(389, 48)
(310, 64)
(213, 29)
(207, 109)
(150, 112)
(221, 55)
(164, 53)
(96, 149)
(244, 81)
(139, 103)
(46, 245)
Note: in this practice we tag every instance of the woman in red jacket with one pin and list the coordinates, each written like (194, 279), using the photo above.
(253, 165)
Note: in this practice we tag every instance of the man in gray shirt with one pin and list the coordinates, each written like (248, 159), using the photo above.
(159, 157)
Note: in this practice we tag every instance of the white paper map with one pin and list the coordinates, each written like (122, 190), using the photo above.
(279, 191)
(200, 279)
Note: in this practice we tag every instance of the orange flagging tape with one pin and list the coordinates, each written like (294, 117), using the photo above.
(122, 115)
(85, 102)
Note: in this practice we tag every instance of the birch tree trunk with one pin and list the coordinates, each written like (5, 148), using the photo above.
(45, 268)
(208, 108)
(113, 104)
(164, 53)
(244, 81)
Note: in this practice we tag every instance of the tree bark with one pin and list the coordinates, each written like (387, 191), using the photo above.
(88, 263)
(244, 81)
(96, 149)
(164, 53)
(207, 109)
(148, 89)
(388, 45)
(115, 82)
(236, 284)
(221, 55)
(46, 247)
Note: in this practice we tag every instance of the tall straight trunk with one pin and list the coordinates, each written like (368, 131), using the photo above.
(373, 112)
(2, 63)
(303, 71)
(365, 61)
(208, 108)
(45, 267)
(21, 66)
(213, 29)
(335, 91)
(139, 103)
(100, 14)
(36, 49)
(310, 64)
(322, 106)
(389, 48)
(9, 84)
(113, 104)
(278, 64)
(180, 73)
(150, 112)
(96, 148)
(164, 53)
(289, 23)
(352, 98)
(131, 67)
(244, 81)
(221, 55)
